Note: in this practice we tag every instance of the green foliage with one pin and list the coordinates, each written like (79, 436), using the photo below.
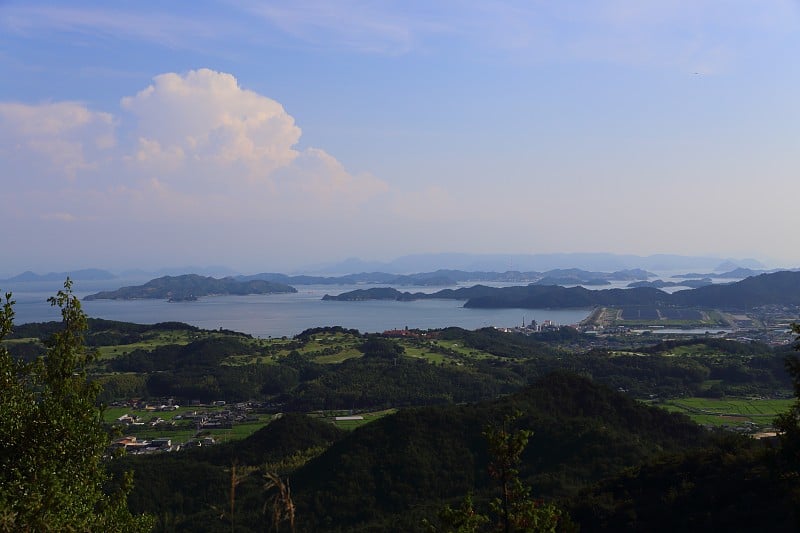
(380, 382)
(53, 477)
(726, 486)
(380, 347)
(463, 519)
(401, 464)
(515, 508)
(502, 344)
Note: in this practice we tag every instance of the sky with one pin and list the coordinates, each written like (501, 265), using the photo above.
(265, 135)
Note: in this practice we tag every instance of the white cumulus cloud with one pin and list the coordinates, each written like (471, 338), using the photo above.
(53, 139)
(194, 151)
(205, 117)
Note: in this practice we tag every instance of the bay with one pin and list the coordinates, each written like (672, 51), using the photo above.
(278, 315)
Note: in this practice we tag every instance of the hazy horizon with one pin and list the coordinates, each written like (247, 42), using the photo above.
(266, 136)
(660, 264)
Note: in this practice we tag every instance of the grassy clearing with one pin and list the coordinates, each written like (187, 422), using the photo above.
(240, 360)
(24, 340)
(729, 411)
(618, 353)
(466, 351)
(183, 434)
(338, 357)
(694, 350)
(422, 353)
(151, 342)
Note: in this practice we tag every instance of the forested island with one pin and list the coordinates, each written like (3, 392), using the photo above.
(779, 288)
(189, 287)
(660, 284)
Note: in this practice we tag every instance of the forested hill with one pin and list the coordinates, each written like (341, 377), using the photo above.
(776, 288)
(191, 286)
(782, 288)
(391, 473)
(381, 472)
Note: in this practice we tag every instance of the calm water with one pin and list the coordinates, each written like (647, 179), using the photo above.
(277, 315)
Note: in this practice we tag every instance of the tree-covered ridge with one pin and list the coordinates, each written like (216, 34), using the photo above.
(781, 288)
(333, 367)
(191, 286)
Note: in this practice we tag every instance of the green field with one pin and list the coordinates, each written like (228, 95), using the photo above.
(729, 411)
(458, 347)
(152, 341)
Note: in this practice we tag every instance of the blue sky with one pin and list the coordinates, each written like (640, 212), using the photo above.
(268, 135)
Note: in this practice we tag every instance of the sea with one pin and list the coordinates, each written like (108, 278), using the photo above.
(279, 315)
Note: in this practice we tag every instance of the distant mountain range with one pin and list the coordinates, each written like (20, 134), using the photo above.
(447, 262)
(444, 278)
(191, 287)
(537, 262)
(736, 273)
(86, 274)
(781, 288)
(97, 274)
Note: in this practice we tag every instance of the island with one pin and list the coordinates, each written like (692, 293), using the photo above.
(189, 287)
(779, 288)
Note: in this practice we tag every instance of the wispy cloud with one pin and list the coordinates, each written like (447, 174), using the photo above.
(354, 25)
(174, 30)
(668, 32)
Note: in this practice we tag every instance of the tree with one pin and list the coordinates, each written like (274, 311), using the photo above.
(52, 476)
(283, 508)
(515, 510)
(379, 347)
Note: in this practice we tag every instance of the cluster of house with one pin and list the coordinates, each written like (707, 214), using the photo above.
(133, 445)
(531, 327)
(220, 418)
